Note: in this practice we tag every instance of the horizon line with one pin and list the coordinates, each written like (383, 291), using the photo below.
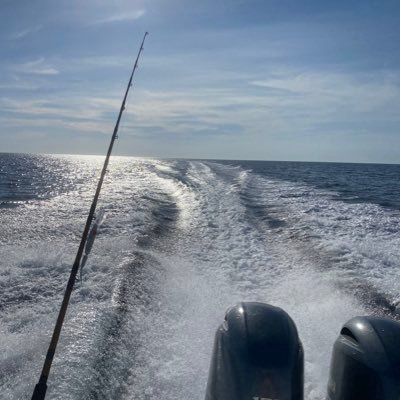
(203, 159)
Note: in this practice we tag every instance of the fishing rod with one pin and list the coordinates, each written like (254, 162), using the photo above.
(99, 218)
(39, 392)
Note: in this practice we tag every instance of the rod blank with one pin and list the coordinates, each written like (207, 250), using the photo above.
(39, 392)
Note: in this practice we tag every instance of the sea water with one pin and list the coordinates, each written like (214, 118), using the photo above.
(181, 242)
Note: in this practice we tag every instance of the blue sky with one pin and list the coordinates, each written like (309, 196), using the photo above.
(256, 79)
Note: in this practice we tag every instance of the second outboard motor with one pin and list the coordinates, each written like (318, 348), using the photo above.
(257, 355)
(366, 361)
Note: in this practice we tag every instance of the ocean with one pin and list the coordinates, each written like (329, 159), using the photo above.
(181, 242)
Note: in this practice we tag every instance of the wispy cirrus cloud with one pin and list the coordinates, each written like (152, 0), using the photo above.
(120, 17)
(26, 32)
(99, 12)
(333, 92)
(37, 67)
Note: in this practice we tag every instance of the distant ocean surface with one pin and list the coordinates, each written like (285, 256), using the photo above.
(181, 242)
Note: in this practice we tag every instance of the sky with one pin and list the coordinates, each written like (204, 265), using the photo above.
(306, 80)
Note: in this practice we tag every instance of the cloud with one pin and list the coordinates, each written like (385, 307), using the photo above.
(26, 32)
(174, 111)
(121, 17)
(63, 111)
(331, 93)
(38, 67)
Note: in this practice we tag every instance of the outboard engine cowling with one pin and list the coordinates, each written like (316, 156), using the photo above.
(366, 361)
(257, 355)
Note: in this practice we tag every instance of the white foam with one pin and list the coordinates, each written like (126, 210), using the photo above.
(213, 256)
(224, 260)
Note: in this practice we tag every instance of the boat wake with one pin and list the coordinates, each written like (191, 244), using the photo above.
(182, 241)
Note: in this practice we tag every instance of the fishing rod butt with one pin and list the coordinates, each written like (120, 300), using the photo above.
(40, 391)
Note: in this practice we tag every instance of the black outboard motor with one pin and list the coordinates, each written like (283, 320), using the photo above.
(257, 355)
(366, 361)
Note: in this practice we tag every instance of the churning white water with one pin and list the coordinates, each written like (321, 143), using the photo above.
(182, 241)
